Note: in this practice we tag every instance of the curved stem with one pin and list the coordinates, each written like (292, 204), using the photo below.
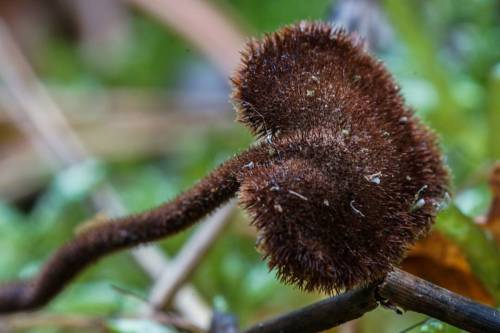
(126, 232)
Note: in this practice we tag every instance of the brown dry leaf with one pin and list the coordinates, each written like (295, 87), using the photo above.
(440, 261)
(493, 219)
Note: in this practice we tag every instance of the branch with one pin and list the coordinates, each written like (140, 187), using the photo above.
(397, 289)
(47, 125)
(322, 315)
(415, 294)
(110, 236)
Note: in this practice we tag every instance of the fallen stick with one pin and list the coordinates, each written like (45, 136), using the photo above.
(398, 289)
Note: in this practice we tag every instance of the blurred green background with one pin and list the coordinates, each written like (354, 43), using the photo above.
(153, 110)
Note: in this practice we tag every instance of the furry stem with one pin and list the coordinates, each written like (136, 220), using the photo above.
(126, 232)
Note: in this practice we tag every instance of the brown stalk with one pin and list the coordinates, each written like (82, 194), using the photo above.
(397, 289)
(122, 233)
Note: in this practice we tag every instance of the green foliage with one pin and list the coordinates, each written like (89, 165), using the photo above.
(481, 251)
(493, 106)
(435, 326)
(265, 16)
(151, 59)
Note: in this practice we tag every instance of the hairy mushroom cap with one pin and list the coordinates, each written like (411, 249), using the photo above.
(352, 178)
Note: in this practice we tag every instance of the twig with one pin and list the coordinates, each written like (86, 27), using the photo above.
(415, 294)
(398, 289)
(51, 128)
(188, 258)
(322, 315)
(126, 232)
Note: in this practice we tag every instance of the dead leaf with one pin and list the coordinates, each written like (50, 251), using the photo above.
(493, 218)
(440, 261)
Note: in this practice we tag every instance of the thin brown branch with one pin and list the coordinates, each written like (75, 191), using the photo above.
(398, 289)
(322, 315)
(123, 233)
(415, 294)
